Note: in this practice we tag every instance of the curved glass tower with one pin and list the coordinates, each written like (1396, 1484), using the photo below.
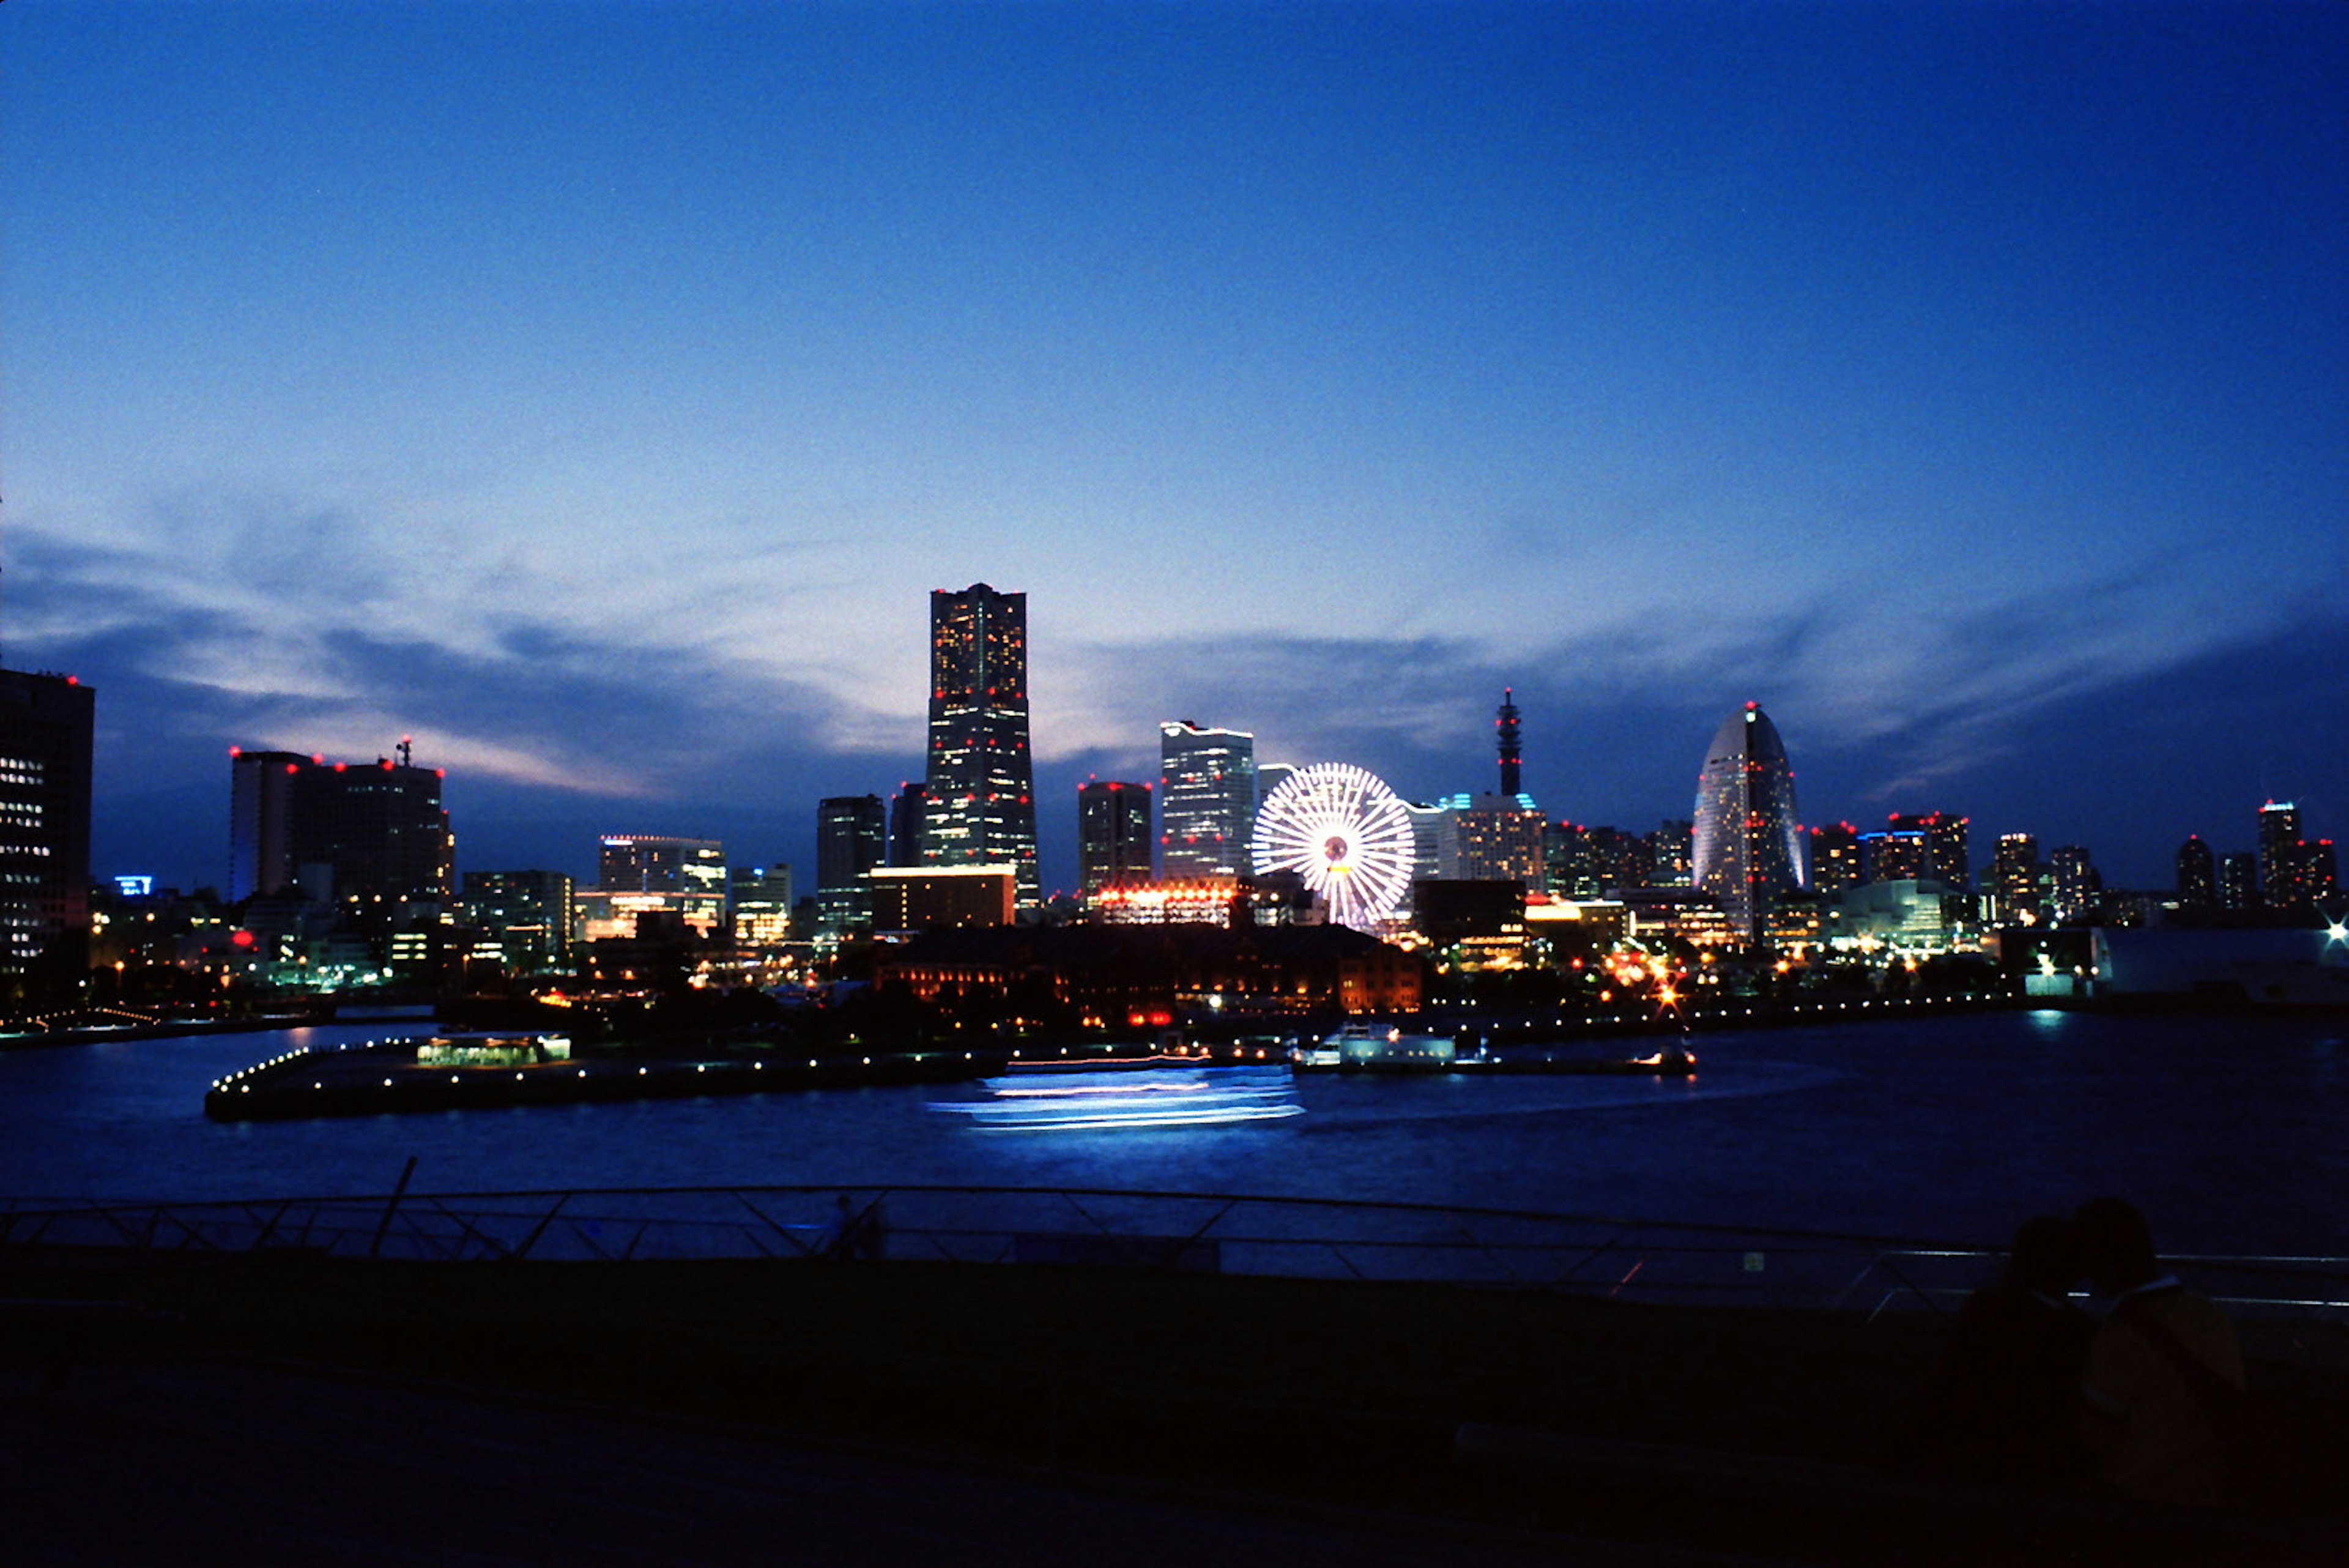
(1749, 848)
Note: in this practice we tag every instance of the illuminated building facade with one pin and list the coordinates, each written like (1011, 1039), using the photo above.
(45, 726)
(1197, 901)
(2198, 874)
(1750, 848)
(760, 899)
(1589, 862)
(648, 883)
(1671, 854)
(1835, 858)
(337, 830)
(2293, 871)
(940, 898)
(1944, 838)
(1895, 856)
(527, 914)
(2014, 879)
(980, 786)
(1495, 839)
(2078, 884)
(1113, 834)
(1206, 799)
(851, 831)
(2239, 881)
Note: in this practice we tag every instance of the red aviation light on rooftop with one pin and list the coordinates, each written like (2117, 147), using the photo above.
(293, 767)
(341, 766)
(236, 751)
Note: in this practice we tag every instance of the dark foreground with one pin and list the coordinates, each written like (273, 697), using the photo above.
(282, 1410)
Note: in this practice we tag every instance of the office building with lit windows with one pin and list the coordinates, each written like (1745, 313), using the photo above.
(1750, 847)
(1206, 801)
(527, 914)
(980, 788)
(1943, 834)
(337, 831)
(2198, 874)
(1113, 835)
(2015, 875)
(1835, 858)
(850, 834)
(46, 727)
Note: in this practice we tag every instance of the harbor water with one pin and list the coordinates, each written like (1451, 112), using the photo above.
(2227, 1130)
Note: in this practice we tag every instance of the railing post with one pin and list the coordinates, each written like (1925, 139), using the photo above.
(391, 1206)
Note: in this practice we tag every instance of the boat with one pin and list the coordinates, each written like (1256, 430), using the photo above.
(1055, 1097)
(1360, 1046)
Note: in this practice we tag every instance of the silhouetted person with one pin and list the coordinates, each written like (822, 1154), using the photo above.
(2003, 1407)
(2163, 1373)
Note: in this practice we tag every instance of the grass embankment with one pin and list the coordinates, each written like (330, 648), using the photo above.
(1347, 1392)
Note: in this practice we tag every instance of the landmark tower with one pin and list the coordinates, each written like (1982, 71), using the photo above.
(1749, 848)
(980, 789)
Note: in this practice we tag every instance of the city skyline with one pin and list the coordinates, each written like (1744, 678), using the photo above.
(1963, 385)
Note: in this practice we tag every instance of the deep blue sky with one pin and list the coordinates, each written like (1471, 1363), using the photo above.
(596, 391)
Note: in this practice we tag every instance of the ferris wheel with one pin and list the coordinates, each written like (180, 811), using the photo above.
(1346, 833)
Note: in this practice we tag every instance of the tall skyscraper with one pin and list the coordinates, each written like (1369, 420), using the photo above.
(2078, 883)
(1113, 834)
(851, 838)
(1206, 801)
(981, 784)
(46, 724)
(2198, 874)
(1749, 846)
(337, 830)
(2239, 880)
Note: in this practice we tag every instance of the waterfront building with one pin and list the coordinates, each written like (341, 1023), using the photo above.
(850, 830)
(1671, 854)
(760, 899)
(1590, 862)
(2198, 875)
(652, 863)
(1206, 799)
(1113, 834)
(341, 831)
(936, 898)
(1909, 914)
(2279, 854)
(980, 787)
(1749, 846)
(1480, 921)
(908, 811)
(46, 721)
(1835, 858)
(2014, 879)
(2077, 883)
(2239, 880)
(526, 916)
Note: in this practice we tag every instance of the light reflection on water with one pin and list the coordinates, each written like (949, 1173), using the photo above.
(2226, 1129)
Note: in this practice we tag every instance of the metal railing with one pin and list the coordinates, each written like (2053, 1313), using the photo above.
(1630, 1260)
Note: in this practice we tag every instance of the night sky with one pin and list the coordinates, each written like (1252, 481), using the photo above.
(596, 391)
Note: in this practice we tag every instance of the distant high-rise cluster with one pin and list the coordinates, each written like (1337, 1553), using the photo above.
(1113, 835)
(980, 806)
(1749, 844)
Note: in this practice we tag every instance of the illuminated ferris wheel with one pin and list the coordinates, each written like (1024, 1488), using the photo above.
(1346, 833)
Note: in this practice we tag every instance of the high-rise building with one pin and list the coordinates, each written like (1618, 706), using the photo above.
(1671, 854)
(46, 725)
(1113, 834)
(337, 830)
(1895, 856)
(1749, 844)
(981, 783)
(2077, 882)
(908, 810)
(2239, 880)
(1592, 862)
(851, 835)
(1836, 863)
(1206, 801)
(2014, 877)
(528, 914)
(2198, 874)
(1495, 839)
(2279, 854)
(1944, 838)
